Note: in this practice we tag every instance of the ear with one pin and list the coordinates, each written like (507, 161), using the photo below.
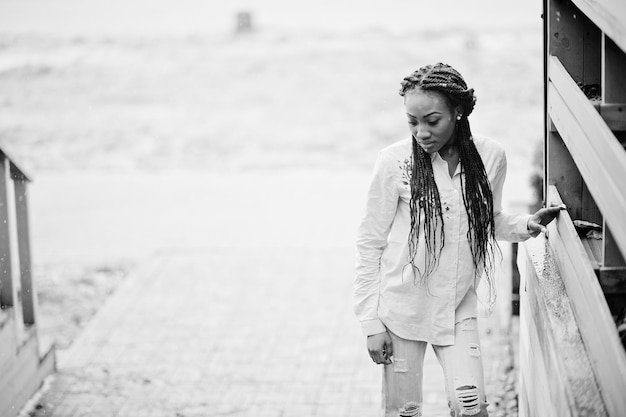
(458, 112)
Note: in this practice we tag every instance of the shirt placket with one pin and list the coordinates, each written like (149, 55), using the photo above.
(450, 206)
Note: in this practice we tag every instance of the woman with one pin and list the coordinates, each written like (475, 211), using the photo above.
(432, 217)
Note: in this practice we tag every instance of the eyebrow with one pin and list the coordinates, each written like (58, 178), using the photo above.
(429, 114)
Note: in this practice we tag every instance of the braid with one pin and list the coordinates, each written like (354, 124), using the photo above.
(477, 195)
(425, 199)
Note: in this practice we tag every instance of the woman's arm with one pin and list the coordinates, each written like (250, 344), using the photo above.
(380, 209)
(509, 227)
(517, 227)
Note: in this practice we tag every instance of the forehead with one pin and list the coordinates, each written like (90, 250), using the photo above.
(420, 103)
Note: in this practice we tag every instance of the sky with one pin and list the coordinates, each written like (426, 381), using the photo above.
(185, 17)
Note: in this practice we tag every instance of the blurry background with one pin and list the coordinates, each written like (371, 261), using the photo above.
(103, 102)
(154, 126)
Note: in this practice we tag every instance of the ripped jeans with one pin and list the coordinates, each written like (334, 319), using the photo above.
(462, 367)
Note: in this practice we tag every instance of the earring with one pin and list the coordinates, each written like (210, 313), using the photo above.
(459, 117)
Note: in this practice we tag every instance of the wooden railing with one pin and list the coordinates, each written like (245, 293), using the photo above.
(22, 366)
(573, 285)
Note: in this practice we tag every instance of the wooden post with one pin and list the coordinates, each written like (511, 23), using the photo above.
(6, 274)
(613, 91)
(29, 296)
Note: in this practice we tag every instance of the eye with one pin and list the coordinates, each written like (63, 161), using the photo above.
(433, 122)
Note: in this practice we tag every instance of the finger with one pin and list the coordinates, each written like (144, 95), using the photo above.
(559, 206)
(536, 228)
(389, 349)
(376, 356)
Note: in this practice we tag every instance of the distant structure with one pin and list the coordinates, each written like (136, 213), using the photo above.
(22, 364)
(573, 284)
(244, 22)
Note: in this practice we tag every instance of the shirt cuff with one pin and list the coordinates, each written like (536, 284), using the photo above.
(523, 231)
(373, 326)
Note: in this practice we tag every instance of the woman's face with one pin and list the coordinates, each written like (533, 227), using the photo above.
(431, 120)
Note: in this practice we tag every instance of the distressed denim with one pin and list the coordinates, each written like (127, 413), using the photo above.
(462, 366)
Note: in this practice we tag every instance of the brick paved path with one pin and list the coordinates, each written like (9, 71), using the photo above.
(233, 331)
(262, 333)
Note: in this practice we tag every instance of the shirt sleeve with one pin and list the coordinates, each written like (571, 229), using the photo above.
(510, 227)
(372, 234)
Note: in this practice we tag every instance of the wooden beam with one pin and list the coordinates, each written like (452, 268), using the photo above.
(6, 273)
(562, 172)
(613, 114)
(555, 352)
(29, 295)
(24, 375)
(609, 16)
(566, 37)
(593, 317)
(15, 170)
(594, 148)
(613, 91)
(612, 280)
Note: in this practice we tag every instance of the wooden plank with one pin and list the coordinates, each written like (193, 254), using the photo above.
(614, 91)
(550, 397)
(595, 150)
(24, 376)
(563, 173)
(611, 255)
(592, 53)
(29, 295)
(590, 309)
(614, 114)
(547, 309)
(590, 210)
(527, 368)
(15, 169)
(8, 341)
(609, 16)
(533, 369)
(612, 280)
(6, 274)
(565, 37)
(589, 121)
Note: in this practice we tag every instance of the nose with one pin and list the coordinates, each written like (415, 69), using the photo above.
(422, 133)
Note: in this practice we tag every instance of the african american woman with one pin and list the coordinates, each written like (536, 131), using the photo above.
(433, 215)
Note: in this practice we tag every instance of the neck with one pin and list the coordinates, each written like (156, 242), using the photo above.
(448, 150)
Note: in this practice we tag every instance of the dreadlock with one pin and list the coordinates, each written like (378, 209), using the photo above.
(425, 204)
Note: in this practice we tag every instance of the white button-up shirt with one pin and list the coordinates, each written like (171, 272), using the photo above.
(385, 293)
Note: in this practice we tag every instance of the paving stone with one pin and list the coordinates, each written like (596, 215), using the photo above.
(268, 332)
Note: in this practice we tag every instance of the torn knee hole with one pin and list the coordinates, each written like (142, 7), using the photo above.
(467, 325)
(474, 350)
(467, 397)
(411, 409)
(399, 365)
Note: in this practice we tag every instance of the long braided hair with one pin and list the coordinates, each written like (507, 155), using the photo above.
(425, 204)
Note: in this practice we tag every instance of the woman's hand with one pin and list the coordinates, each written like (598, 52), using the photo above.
(379, 348)
(538, 222)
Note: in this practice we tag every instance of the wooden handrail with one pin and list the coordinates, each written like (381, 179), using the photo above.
(593, 316)
(609, 16)
(16, 171)
(594, 148)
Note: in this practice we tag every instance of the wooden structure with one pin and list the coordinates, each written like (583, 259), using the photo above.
(573, 288)
(22, 366)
